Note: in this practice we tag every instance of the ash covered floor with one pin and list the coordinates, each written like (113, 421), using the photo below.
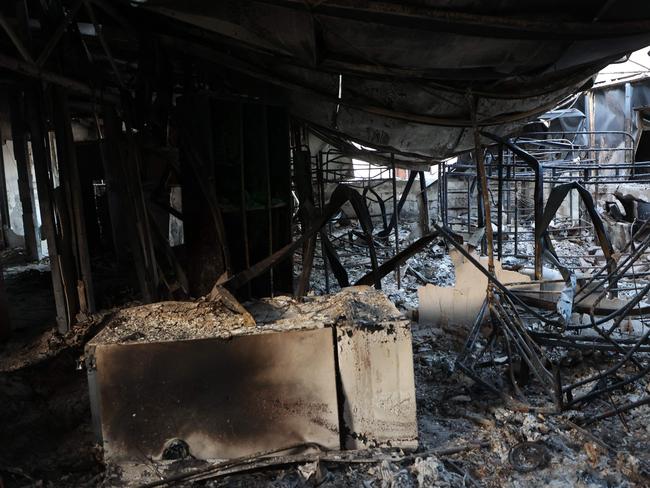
(47, 438)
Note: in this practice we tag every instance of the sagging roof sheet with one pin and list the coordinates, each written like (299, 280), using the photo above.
(405, 76)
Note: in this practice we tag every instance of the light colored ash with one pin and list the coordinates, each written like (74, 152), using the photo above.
(361, 305)
(174, 321)
(169, 321)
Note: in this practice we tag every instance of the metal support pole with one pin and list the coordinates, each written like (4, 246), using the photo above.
(508, 197)
(441, 210)
(469, 207)
(629, 145)
(267, 179)
(516, 217)
(321, 200)
(242, 182)
(500, 202)
(395, 218)
(445, 174)
(424, 201)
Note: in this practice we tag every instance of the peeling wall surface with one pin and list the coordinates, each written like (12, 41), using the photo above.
(376, 366)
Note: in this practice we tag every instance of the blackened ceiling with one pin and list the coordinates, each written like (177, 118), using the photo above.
(413, 77)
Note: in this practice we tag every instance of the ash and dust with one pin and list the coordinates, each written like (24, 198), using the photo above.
(431, 265)
(452, 408)
(44, 392)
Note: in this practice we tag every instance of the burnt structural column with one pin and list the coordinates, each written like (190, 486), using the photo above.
(69, 175)
(423, 204)
(5, 325)
(115, 188)
(124, 182)
(63, 277)
(23, 166)
(206, 260)
(4, 205)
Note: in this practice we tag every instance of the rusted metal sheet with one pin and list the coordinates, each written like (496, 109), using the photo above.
(224, 397)
(376, 367)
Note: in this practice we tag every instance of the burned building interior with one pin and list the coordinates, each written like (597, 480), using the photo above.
(324, 243)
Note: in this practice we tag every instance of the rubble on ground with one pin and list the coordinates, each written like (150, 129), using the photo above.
(466, 435)
(452, 412)
(431, 266)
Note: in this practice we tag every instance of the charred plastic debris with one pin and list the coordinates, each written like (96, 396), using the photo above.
(309, 244)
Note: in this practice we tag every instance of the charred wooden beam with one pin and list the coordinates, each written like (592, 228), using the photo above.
(18, 43)
(482, 179)
(5, 324)
(23, 166)
(63, 278)
(69, 173)
(126, 183)
(4, 204)
(399, 258)
(58, 33)
(32, 71)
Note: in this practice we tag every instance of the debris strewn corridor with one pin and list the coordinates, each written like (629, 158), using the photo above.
(324, 243)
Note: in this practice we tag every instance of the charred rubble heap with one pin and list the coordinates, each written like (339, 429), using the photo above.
(337, 243)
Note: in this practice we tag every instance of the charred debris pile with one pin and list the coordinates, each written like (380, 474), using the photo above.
(521, 297)
(327, 242)
(524, 304)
